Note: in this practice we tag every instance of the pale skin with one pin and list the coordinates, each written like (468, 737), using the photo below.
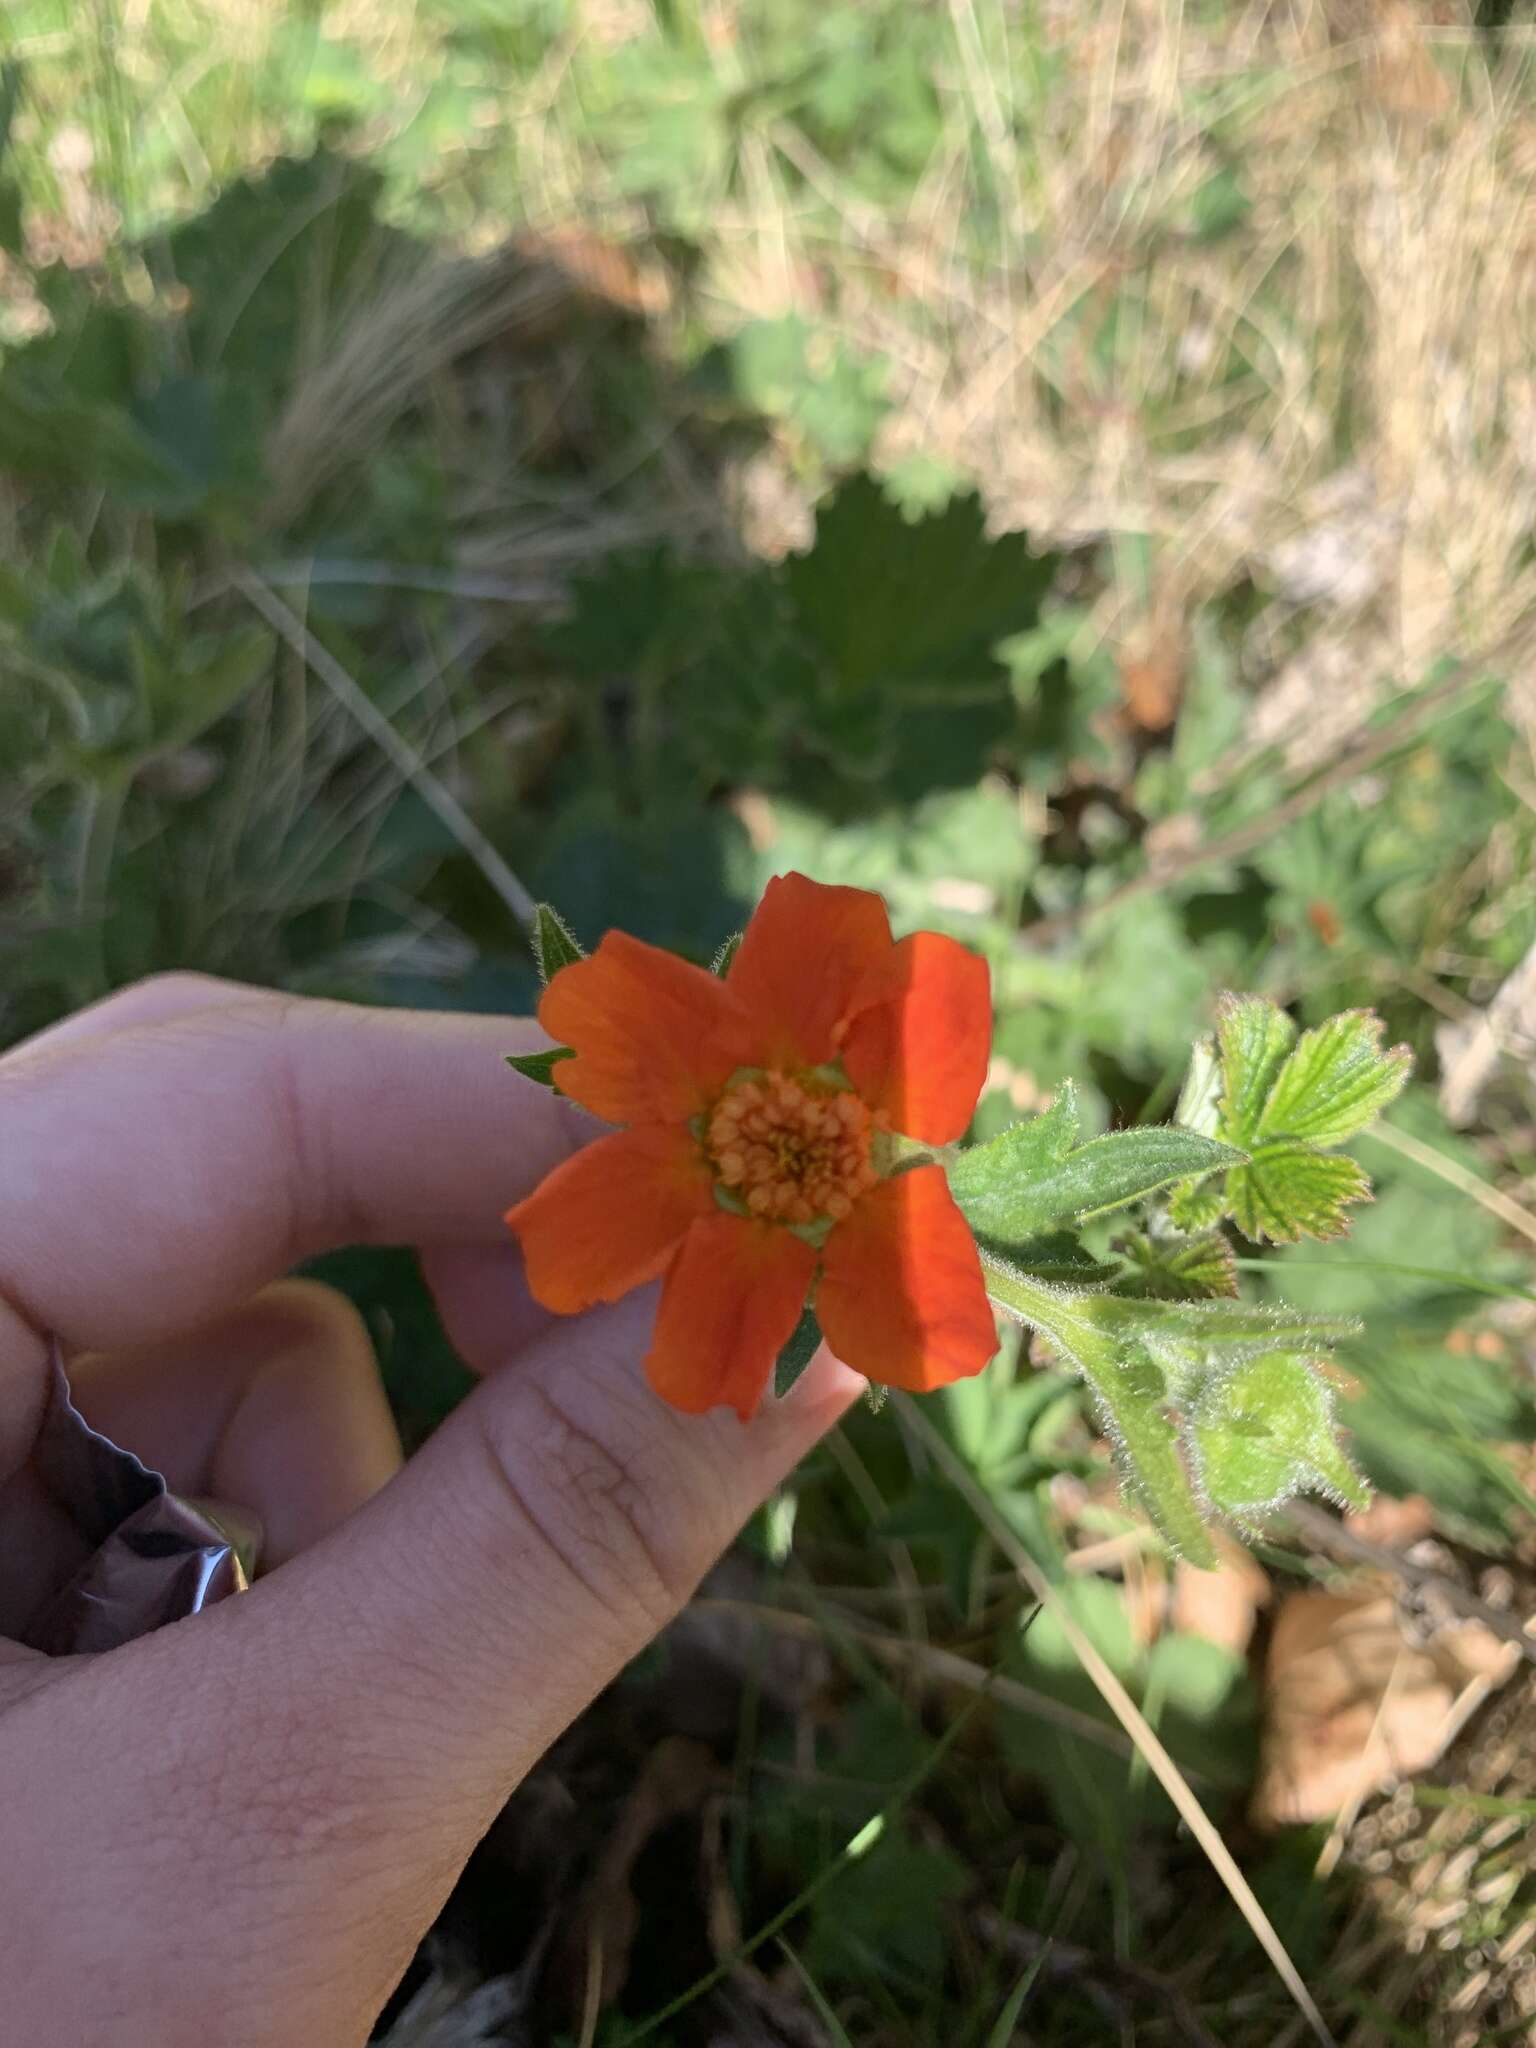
(235, 1830)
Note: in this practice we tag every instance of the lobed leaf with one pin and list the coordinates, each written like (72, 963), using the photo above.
(1197, 1207)
(1265, 1433)
(1288, 1191)
(1286, 1100)
(1336, 1082)
(1174, 1267)
(1254, 1036)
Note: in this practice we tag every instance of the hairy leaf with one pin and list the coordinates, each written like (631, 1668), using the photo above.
(1289, 1191)
(1265, 1433)
(1198, 1206)
(1061, 1255)
(1336, 1082)
(1287, 1101)
(1026, 1181)
(1130, 1392)
(1172, 1267)
(1254, 1037)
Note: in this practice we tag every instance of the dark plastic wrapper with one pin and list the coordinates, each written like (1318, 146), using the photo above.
(154, 1557)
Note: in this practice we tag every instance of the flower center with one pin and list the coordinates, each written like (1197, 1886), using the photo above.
(792, 1150)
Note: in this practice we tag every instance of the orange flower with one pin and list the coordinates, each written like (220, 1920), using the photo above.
(761, 1109)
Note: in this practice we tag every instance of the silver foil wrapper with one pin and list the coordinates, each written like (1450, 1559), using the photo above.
(155, 1557)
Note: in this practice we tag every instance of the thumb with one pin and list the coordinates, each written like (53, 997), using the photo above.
(546, 1533)
(365, 1711)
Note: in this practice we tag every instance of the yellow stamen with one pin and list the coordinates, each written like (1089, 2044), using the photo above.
(794, 1150)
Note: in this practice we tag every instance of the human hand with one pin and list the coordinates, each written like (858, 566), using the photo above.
(236, 1829)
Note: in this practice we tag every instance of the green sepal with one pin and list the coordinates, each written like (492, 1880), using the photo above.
(721, 964)
(540, 1066)
(804, 1342)
(554, 943)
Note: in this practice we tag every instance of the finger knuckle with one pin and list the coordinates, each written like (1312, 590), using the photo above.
(613, 1520)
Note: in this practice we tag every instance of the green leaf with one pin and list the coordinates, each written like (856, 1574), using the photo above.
(1265, 1432)
(1200, 1098)
(1130, 1391)
(1197, 1208)
(539, 1066)
(196, 696)
(1172, 1267)
(1026, 1181)
(1336, 1082)
(1061, 1255)
(1006, 2024)
(792, 371)
(1289, 1191)
(554, 944)
(1255, 1038)
(1286, 1100)
(1235, 1328)
(797, 1354)
(888, 600)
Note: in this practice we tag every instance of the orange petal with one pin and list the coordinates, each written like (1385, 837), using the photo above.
(611, 1216)
(806, 950)
(920, 1036)
(654, 1036)
(732, 1298)
(901, 1297)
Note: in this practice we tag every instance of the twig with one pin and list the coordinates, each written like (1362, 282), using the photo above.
(413, 770)
(1320, 1528)
(1130, 1717)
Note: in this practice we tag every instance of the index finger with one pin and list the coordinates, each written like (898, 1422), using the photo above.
(150, 1176)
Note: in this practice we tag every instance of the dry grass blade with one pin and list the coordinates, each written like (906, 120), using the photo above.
(414, 771)
(1131, 1718)
(1505, 1207)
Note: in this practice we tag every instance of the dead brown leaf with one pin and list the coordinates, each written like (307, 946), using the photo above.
(1352, 1703)
(1221, 1605)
